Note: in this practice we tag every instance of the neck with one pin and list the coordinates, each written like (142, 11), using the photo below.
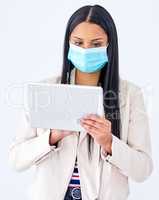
(82, 78)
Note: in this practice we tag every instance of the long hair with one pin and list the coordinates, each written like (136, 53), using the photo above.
(109, 77)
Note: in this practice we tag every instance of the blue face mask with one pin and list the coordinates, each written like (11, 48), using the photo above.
(88, 60)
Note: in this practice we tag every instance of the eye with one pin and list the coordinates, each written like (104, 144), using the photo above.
(78, 43)
(97, 44)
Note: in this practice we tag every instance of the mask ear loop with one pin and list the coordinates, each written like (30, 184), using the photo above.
(99, 83)
(67, 77)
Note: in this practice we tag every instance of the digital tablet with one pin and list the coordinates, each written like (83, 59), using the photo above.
(60, 106)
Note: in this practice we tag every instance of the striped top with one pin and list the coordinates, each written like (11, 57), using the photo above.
(75, 181)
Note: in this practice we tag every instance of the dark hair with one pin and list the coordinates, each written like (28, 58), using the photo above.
(109, 77)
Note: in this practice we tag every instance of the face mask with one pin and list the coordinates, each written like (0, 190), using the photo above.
(88, 60)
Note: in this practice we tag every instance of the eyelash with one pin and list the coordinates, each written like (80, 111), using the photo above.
(95, 44)
(78, 43)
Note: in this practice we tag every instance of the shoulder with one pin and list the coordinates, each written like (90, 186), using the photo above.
(128, 87)
(51, 79)
(131, 94)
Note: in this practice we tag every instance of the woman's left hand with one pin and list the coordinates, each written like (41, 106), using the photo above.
(100, 129)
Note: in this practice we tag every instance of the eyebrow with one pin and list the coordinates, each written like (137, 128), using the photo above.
(91, 40)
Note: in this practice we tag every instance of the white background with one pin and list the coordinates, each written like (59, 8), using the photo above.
(31, 44)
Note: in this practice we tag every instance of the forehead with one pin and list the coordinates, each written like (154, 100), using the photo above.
(87, 30)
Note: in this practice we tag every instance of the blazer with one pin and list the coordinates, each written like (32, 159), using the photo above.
(102, 177)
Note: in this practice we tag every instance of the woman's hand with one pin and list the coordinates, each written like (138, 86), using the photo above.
(56, 135)
(100, 129)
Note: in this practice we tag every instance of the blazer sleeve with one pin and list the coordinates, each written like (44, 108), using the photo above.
(28, 147)
(133, 158)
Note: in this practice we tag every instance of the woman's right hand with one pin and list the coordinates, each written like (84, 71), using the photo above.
(56, 135)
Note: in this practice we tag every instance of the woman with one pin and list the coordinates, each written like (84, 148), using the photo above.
(94, 164)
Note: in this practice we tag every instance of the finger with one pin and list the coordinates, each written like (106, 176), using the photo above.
(96, 124)
(66, 131)
(65, 134)
(100, 119)
(68, 134)
(100, 129)
(91, 130)
(91, 123)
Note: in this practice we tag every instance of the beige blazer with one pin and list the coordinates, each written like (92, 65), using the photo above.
(102, 178)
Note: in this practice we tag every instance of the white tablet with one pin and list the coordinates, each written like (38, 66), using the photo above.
(60, 106)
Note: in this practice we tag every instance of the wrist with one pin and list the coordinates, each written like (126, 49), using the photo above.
(50, 139)
(53, 138)
(107, 148)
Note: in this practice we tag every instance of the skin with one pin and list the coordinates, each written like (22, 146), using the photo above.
(89, 35)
